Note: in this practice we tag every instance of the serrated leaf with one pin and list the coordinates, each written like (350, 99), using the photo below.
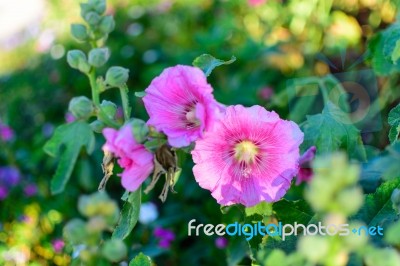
(378, 208)
(129, 215)
(262, 208)
(332, 130)
(394, 121)
(207, 63)
(66, 136)
(140, 260)
(289, 212)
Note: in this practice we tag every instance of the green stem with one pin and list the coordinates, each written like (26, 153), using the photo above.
(125, 102)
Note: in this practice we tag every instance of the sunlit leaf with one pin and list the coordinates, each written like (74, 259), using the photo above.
(207, 63)
(129, 215)
(140, 260)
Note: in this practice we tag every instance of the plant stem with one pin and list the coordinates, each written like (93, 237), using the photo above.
(125, 102)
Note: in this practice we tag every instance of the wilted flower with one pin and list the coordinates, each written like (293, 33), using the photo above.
(250, 155)
(136, 161)
(148, 213)
(181, 105)
(305, 172)
(165, 236)
(221, 242)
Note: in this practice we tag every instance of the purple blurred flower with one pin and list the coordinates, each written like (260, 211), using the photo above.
(30, 190)
(221, 242)
(9, 176)
(3, 192)
(305, 173)
(266, 93)
(47, 130)
(58, 245)
(69, 118)
(166, 237)
(6, 132)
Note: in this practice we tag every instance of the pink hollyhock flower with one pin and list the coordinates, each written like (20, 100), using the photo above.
(249, 156)
(181, 105)
(305, 173)
(136, 161)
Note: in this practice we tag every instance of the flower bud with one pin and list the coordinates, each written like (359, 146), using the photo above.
(79, 32)
(114, 250)
(314, 248)
(107, 24)
(97, 126)
(139, 130)
(81, 107)
(98, 56)
(117, 76)
(77, 59)
(75, 231)
(109, 108)
(92, 18)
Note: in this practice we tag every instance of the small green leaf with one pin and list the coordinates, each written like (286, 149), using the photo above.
(263, 209)
(129, 215)
(394, 121)
(140, 94)
(289, 212)
(396, 52)
(140, 260)
(207, 63)
(66, 136)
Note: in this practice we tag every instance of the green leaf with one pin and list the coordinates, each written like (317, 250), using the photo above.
(263, 209)
(289, 212)
(237, 250)
(129, 215)
(385, 165)
(140, 260)
(394, 121)
(378, 207)
(396, 52)
(332, 130)
(66, 136)
(207, 63)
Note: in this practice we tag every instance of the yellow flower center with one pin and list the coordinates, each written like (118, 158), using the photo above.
(246, 151)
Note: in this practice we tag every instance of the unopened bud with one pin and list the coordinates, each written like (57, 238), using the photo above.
(109, 108)
(81, 107)
(117, 76)
(79, 32)
(107, 24)
(92, 18)
(139, 130)
(98, 56)
(114, 250)
(77, 59)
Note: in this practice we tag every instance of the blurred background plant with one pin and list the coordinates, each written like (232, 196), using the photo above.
(273, 41)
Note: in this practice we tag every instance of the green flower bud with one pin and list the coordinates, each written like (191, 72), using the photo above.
(85, 8)
(396, 199)
(77, 59)
(98, 56)
(75, 231)
(81, 107)
(97, 126)
(98, 5)
(350, 200)
(392, 234)
(386, 256)
(355, 241)
(109, 108)
(117, 76)
(139, 129)
(114, 250)
(96, 224)
(79, 32)
(107, 24)
(92, 18)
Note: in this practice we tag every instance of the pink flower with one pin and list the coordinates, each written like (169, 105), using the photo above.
(266, 93)
(69, 117)
(250, 155)
(305, 173)
(136, 161)
(58, 245)
(256, 2)
(181, 105)
(6, 133)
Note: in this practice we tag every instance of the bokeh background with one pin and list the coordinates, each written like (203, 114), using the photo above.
(273, 41)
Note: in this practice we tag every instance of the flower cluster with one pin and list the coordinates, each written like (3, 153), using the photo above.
(242, 155)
